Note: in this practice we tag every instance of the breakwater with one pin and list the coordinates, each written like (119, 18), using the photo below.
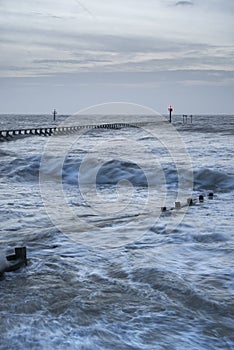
(6, 135)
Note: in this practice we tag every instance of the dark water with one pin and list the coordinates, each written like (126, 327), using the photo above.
(105, 269)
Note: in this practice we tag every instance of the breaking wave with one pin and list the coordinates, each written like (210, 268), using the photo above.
(211, 179)
(110, 173)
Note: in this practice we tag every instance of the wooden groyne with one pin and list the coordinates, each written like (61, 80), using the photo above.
(6, 135)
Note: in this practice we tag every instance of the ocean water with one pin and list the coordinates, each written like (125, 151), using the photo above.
(107, 269)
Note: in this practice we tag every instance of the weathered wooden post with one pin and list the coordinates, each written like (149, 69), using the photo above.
(54, 114)
(15, 261)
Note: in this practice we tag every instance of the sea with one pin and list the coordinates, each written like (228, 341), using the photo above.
(112, 264)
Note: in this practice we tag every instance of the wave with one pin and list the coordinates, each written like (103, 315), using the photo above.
(5, 153)
(212, 179)
(21, 170)
(111, 172)
(114, 171)
(175, 288)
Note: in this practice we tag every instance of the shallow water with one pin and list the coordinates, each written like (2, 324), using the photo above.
(105, 271)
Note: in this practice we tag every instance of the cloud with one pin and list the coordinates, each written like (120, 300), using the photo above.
(184, 3)
(56, 40)
(124, 44)
(51, 52)
(69, 61)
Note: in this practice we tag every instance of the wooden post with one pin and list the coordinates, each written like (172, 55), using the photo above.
(20, 253)
(54, 114)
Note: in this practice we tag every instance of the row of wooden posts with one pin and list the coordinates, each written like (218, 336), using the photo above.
(61, 130)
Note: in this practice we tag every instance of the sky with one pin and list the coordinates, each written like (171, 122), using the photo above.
(71, 54)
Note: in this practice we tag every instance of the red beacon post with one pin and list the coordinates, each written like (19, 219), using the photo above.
(170, 109)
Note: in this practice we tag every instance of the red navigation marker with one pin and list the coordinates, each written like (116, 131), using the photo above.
(170, 109)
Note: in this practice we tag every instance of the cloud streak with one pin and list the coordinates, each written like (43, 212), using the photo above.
(85, 8)
(184, 3)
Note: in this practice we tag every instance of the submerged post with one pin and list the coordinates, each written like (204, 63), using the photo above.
(170, 109)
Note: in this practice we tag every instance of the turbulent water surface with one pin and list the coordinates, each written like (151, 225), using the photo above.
(107, 269)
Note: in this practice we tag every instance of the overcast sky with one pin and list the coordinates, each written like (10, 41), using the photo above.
(70, 54)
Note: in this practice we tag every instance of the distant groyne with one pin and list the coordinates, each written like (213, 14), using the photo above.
(6, 135)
